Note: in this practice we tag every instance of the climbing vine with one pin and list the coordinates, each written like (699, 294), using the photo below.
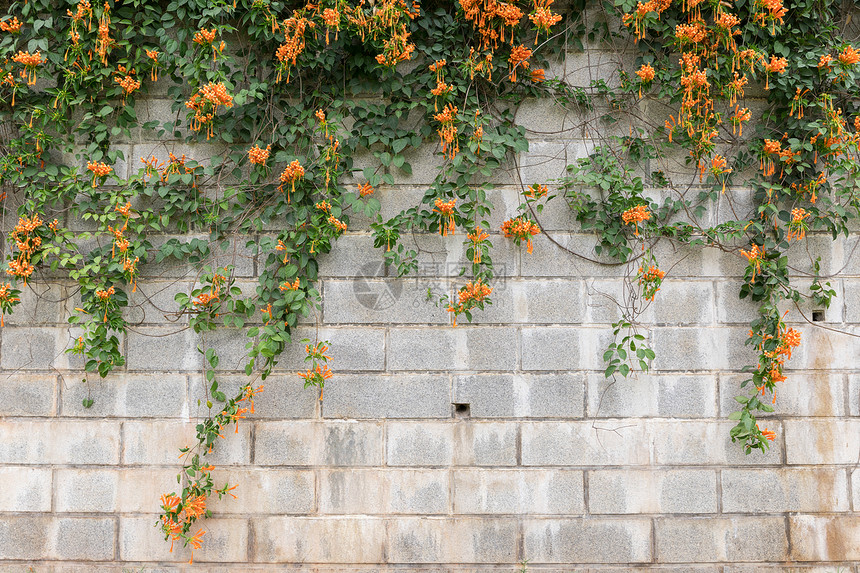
(275, 94)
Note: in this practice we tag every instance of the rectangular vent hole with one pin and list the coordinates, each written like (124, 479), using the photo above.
(817, 316)
(462, 410)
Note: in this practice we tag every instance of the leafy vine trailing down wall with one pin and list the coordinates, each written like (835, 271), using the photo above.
(283, 86)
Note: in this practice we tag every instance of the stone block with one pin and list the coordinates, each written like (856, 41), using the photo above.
(851, 300)
(229, 344)
(371, 300)
(164, 348)
(86, 490)
(695, 348)
(41, 303)
(825, 441)
(652, 491)
(154, 303)
(588, 540)
(126, 396)
(550, 301)
(855, 487)
(352, 540)
(284, 395)
(711, 539)
(388, 396)
(359, 348)
(486, 444)
(225, 541)
(614, 442)
(459, 443)
(34, 442)
(813, 490)
(452, 540)
(420, 444)
(158, 443)
(552, 348)
(683, 302)
(388, 491)
(266, 491)
(139, 490)
(544, 118)
(836, 256)
(302, 443)
(353, 256)
(583, 68)
(25, 537)
(679, 442)
(34, 348)
(652, 395)
(521, 396)
(25, 489)
(824, 537)
(83, 539)
(520, 492)
(854, 394)
(573, 255)
(28, 395)
(474, 348)
(814, 393)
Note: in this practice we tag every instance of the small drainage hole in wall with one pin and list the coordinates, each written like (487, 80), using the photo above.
(817, 316)
(462, 410)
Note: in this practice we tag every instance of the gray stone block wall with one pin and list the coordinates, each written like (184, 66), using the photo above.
(436, 448)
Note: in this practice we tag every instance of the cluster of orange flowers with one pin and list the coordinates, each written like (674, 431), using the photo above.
(258, 156)
(521, 229)
(650, 279)
(319, 371)
(755, 256)
(637, 17)
(129, 265)
(205, 104)
(495, 21)
(30, 63)
(153, 55)
(365, 189)
(128, 84)
(206, 37)
(636, 215)
(99, 169)
(104, 295)
(293, 172)
(719, 167)
(519, 58)
(175, 165)
(477, 237)
(13, 25)
(337, 223)
(448, 131)
(849, 56)
(797, 226)
(469, 296)
(772, 11)
(28, 244)
(206, 299)
(7, 300)
(294, 29)
(104, 42)
(772, 361)
(447, 225)
(543, 17)
(290, 285)
(194, 507)
(646, 73)
(536, 191)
